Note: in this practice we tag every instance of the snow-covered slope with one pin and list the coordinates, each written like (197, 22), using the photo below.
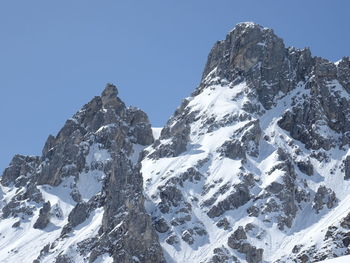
(22, 242)
(345, 259)
(81, 201)
(251, 167)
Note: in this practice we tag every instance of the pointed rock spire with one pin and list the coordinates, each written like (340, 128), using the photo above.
(109, 96)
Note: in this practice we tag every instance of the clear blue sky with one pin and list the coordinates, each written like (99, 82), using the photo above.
(56, 55)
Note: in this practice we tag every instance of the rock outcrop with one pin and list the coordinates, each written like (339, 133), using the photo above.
(88, 176)
(253, 167)
(267, 133)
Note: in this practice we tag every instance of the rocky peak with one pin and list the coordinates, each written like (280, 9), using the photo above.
(262, 144)
(244, 46)
(253, 167)
(88, 174)
(256, 55)
(109, 96)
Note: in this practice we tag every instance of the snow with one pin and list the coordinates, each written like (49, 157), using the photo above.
(97, 154)
(90, 183)
(105, 258)
(89, 228)
(24, 242)
(136, 150)
(21, 243)
(219, 101)
(223, 104)
(344, 259)
(335, 86)
(156, 132)
(261, 44)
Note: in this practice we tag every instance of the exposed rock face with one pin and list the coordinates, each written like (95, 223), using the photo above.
(44, 216)
(237, 241)
(258, 55)
(266, 134)
(93, 161)
(161, 226)
(347, 168)
(252, 167)
(20, 167)
(237, 198)
(79, 214)
(324, 197)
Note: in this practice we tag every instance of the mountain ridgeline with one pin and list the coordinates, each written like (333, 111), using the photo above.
(253, 167)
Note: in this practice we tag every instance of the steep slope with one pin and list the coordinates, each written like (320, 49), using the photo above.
(82, 200)
(254, 165)
(344, 259)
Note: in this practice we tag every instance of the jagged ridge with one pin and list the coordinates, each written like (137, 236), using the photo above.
(82, 200)
(249, 165)
(253, 167)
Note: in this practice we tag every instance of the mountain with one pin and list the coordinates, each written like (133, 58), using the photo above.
(82, 200)
(253, 167)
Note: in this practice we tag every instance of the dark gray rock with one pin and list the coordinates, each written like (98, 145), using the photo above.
(43, 252)
(44, 216)
(238, 235)
(20, 167)
(177, 130)
(254, 255)
(237, 198)
(17, 208)
(275, 188)
(142, 131)
(104, 123)
(324, 108)
(306, 167)
(79, 214)
(258, 55)
(161, 225)
(347, 168)
(191, 174)
(223, 223)
(16, 224)
(343, 73)
(238, 242)
(251, 138)
(222, 255)
(324, 196)
(125, 218)
(172, 240)
(233, 150)
(345, 222)
(187, 236)
(170, 196)
(179, 139)
(63, 259)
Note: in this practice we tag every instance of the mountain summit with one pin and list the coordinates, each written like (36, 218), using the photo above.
(82, 201)
(253, 167)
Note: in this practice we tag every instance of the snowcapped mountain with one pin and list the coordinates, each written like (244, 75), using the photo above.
(253, 167)
(82, 200)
